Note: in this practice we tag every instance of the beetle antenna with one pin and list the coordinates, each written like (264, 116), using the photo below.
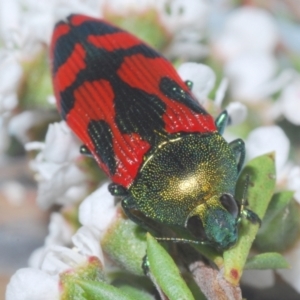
(180, 240)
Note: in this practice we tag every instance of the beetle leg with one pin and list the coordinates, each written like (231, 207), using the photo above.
(238, 148)
(189, 84)
(222, 121)
(145, 265)
(250, 216)
(128, 206)
(85, 151)
(247, 213)
(117, 190)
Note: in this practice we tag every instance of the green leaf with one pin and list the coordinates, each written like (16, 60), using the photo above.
(262, 183)
(277, 204)
(125, 244)
(281, 225)
(100, 291)
(165, 272)
(92, 271)
(37, 85)
(264, 261)
(136, 293)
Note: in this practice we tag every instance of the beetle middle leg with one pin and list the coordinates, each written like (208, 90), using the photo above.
(238, 148)
(222, 121)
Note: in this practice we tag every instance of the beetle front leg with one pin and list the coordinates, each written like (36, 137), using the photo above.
(222, 121)
(238, 148)
(128, 206)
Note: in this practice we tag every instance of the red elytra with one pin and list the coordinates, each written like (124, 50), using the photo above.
(119, 96)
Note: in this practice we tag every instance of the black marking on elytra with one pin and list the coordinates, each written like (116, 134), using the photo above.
(78, 34)
(172, 90)
(99, 131)
(141, 112)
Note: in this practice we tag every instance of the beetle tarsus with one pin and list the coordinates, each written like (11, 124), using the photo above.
(189, 84)
(84, 150)
(251, 216)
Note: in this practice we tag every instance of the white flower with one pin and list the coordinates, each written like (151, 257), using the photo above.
(290, 101)
(293, 182)
(186, 20)
(292, 275)
(10, 78)
(259, 278)
(20, 124)
(187, 45)
(86, 240)
(178, 14)
(43, 283)
(202, 77)
(249, 73)
(60, 233)
(267, 139)
(32, 284)
(246, 46)
(4, 138)
(289, 179)
(98, 209)
(26, 25)
(59, 259)
(237, 112)
(247, 29)
(59, 178)
(14, 192)
(127, 7)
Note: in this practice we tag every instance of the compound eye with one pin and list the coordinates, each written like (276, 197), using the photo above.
(195, 226)
(230, 204)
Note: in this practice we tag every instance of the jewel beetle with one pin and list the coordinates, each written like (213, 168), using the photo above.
(163, 152)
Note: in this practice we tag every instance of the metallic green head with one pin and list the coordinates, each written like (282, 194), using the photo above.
(215, 221)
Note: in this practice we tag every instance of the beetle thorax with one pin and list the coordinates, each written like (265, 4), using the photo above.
(183, 173)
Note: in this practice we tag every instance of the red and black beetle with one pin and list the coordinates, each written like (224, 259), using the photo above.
(163, 152)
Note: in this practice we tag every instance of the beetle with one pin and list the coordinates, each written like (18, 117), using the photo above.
(164, 153)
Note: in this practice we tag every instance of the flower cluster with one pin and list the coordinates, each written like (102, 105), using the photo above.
(251, 71)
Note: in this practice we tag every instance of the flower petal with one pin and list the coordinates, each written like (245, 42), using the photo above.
(87, 241)
(267, 139)
(202, 76)
(98, 209)
(32, 284)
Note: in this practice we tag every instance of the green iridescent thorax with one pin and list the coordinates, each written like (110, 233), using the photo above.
(182, 175)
